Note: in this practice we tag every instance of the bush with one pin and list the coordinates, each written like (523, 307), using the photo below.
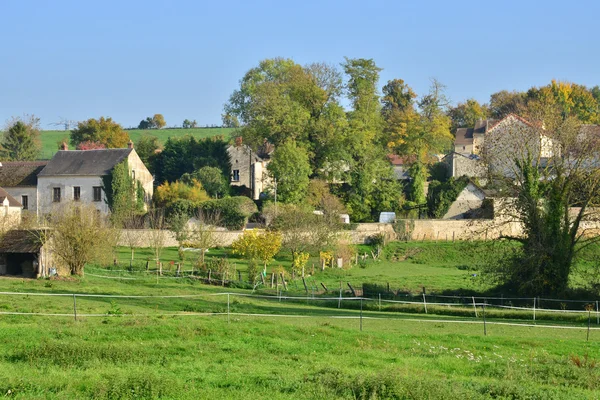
(233, 211)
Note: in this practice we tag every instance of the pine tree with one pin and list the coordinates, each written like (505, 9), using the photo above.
(21, 142)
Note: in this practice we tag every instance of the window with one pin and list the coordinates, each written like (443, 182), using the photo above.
(76, 193)
(25, 202)
(464, 147)
(235, 177)
(56, 195)
(97, 193)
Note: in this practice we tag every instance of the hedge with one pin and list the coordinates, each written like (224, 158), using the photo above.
(233, 211)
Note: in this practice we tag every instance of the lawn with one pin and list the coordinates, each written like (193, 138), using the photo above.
(51, 139)
(136, 351)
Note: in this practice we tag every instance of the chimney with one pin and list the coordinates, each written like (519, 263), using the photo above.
(130, 145)
(64, 146)
(238, 141)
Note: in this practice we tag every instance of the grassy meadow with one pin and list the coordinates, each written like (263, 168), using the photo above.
(51, 139)
(188, 348)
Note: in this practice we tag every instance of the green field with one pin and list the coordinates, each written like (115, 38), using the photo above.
(138, 349)
(51, 139)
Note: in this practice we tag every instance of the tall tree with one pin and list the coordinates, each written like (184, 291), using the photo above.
(21, 139)
(465, 115)
(397, 106)
(159, 121)
(102, 130)
(504, 102)
(290, 167)
(147, 147)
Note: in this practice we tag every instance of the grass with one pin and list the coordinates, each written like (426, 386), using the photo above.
(51, 139)
(317, 357)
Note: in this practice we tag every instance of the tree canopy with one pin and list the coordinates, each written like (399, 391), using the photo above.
(21, 139)
(102, 130)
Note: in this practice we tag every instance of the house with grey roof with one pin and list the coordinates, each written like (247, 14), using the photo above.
(19, 179)
(76, 175)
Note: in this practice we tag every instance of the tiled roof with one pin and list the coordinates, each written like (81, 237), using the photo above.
(84, 162)
(20, 173)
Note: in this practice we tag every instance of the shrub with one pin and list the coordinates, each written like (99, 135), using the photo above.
(233, 211)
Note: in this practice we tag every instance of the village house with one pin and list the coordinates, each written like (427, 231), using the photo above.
(76, 175)
(249, 168)
(19, 179)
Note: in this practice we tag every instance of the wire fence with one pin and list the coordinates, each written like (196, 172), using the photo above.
(232, 304)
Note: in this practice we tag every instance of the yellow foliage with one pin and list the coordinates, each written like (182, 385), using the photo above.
(167, 193)
(261, 247)
(299, 261)
(326, 257)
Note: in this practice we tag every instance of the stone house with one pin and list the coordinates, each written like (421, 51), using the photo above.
(19, 179)
(459, 164)
(76, 175)
(249, 168)
(498, 142)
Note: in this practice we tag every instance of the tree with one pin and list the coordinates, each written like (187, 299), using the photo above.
(102, 130)
(159, 121)
(258, 247)
(290, 167)
(158, 233)
(397, 105)
(187, 154)
(167, 193)
(230, 121)
(187, 124)
(212, 181)
(465, 115)
(202, 233)
(80, 235)
(146, 147)
(21, 140)
(504, 102)
(552, 181)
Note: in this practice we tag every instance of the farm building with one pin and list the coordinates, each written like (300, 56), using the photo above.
(22, 254)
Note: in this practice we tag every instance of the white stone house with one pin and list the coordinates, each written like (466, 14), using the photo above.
(19, 179)
(76, 175)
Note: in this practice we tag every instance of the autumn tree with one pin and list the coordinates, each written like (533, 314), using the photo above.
(80, 235)
(102, 130)
(290, 167)
(466, 114)
(168, 193)
(258, 246)
(159, 121)
(504, 102)
(21, 139)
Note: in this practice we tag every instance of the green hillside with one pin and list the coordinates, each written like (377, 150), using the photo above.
(52, 139)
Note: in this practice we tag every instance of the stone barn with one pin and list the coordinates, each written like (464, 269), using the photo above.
(22, 254)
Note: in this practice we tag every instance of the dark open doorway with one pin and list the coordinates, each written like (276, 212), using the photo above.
(20, 264)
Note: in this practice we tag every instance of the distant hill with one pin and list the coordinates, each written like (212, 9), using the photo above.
(51, 139)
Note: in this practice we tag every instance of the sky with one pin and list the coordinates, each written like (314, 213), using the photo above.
(183, 59)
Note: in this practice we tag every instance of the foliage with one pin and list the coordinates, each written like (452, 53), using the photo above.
(102, 130)
(441, 195)
(299, 262)
(212, 181)
(88, 145)
(200, 232)
(124, 195)
(546, 186)
(21, 139)
(234, 211)
(465, 115)
(155, 122)
(187, 124)
(146, 148)
(504, 102)
(258, 246)
(80, 235)
(439, 172)
(167, 193)
(290, 167)
(187, 154)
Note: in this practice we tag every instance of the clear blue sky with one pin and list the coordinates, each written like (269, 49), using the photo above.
(131, 59)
